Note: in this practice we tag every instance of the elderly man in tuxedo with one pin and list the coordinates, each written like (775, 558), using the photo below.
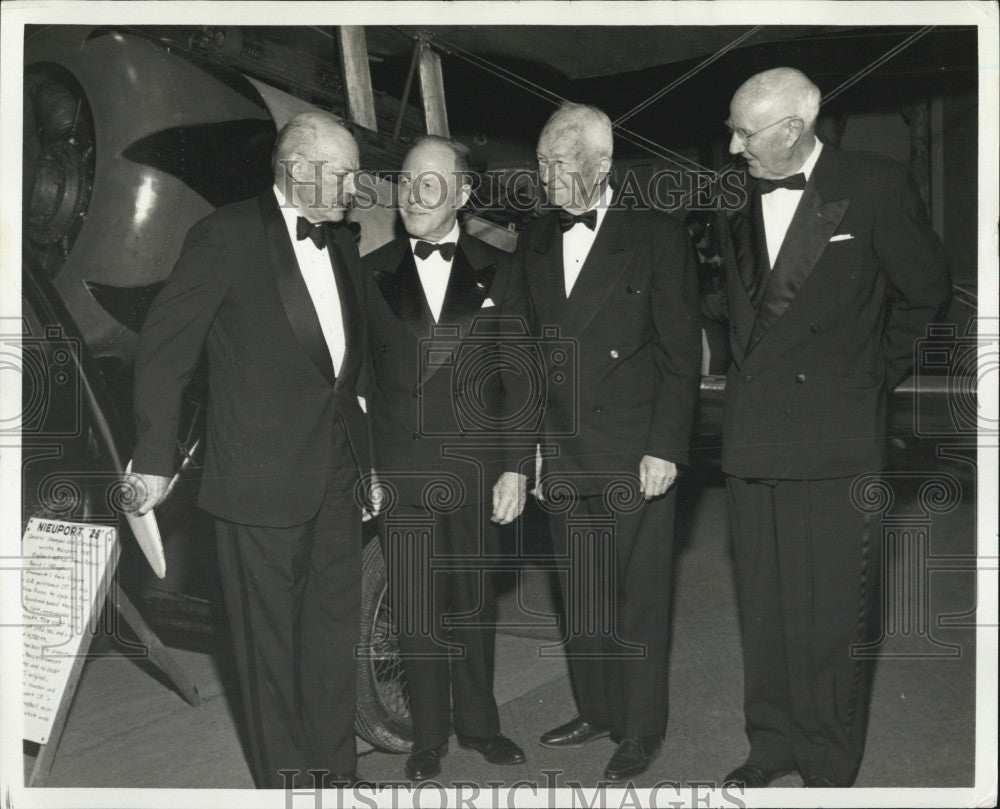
(439, 301)
(620, 286)
(832, 273)
(269, 288)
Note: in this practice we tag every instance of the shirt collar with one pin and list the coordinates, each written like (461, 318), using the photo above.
(810, 163)
(601, 205)
(452, 236)
(288, 212)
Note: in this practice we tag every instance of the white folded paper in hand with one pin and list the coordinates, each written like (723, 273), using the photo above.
(147, 534)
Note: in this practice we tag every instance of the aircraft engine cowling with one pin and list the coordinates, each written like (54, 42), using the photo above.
(127, 143)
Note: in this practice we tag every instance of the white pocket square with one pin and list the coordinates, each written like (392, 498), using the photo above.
(841, 237)
(487, 302)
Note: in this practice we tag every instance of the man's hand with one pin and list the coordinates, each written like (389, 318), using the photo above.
(509, 493)
(148, 490)
(656, 476)
(375, 495)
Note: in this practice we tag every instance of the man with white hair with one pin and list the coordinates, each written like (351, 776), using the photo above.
(270, 288)
(618, 285)
(832, 273)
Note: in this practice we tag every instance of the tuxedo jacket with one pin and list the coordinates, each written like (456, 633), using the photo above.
(631, 331)
(443, 395)
(859, 275)
(273, 400)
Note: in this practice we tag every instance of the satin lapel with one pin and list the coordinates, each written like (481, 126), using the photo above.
(292, 288)
(469, 284)
(348, 304)
(808, 234)
(744, 239)
(608, 258)
(400, 286)
(544, 270)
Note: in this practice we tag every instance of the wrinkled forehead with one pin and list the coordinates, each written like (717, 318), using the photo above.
(337, 147)
(565, 140)
(750, 109)
(430, 158)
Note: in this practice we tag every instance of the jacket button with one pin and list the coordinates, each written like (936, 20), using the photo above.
(384, 349)
(598, 409)
(814, 328)
(416, 436)
(416, 393)
(747, 377)
(614, 353)
(800, 377)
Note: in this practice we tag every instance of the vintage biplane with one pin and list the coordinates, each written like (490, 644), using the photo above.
(131, 134)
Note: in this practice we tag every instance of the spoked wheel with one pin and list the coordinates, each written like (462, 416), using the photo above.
(383, 712)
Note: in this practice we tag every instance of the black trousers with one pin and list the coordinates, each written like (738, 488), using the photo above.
(806, 573)
(293, 597)
(616, 598)
(446, 617)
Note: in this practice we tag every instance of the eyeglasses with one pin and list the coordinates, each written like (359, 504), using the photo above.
(745, 136)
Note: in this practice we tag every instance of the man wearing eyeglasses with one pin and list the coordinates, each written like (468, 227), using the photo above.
(832, 273)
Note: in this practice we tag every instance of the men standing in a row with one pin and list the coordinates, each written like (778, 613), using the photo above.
(270, 287)
(438, 409)
(621, 286)
(833, 273)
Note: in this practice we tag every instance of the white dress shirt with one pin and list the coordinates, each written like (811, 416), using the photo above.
(317, 272)
(577, 241)
(434, 271)
(779, 207)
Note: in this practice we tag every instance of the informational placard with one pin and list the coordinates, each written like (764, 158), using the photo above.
(68, 568)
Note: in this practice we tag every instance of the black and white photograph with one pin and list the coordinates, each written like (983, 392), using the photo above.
(571, 403)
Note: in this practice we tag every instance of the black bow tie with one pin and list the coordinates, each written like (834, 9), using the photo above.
(796, 182)
(317, 231)
(567, 220)
(423, 249)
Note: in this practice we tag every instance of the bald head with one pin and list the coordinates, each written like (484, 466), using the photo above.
(314, 162)
(773, 120)
(783, 91)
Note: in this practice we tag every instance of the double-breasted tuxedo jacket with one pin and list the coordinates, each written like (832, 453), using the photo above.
(437, 387)
(817, 341)
(632, 322)
(858, 276)
(286, 442)
(631, 329)
(439, 401)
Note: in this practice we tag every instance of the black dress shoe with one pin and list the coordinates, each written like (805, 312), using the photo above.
(574, 733)
(818, 782)
(632, 757)
(496, 750)
(424, 762)
(750, 776)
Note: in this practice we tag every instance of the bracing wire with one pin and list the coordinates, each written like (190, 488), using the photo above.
(690, 74)
(885, 57)
(641, 141)
(529, 86)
